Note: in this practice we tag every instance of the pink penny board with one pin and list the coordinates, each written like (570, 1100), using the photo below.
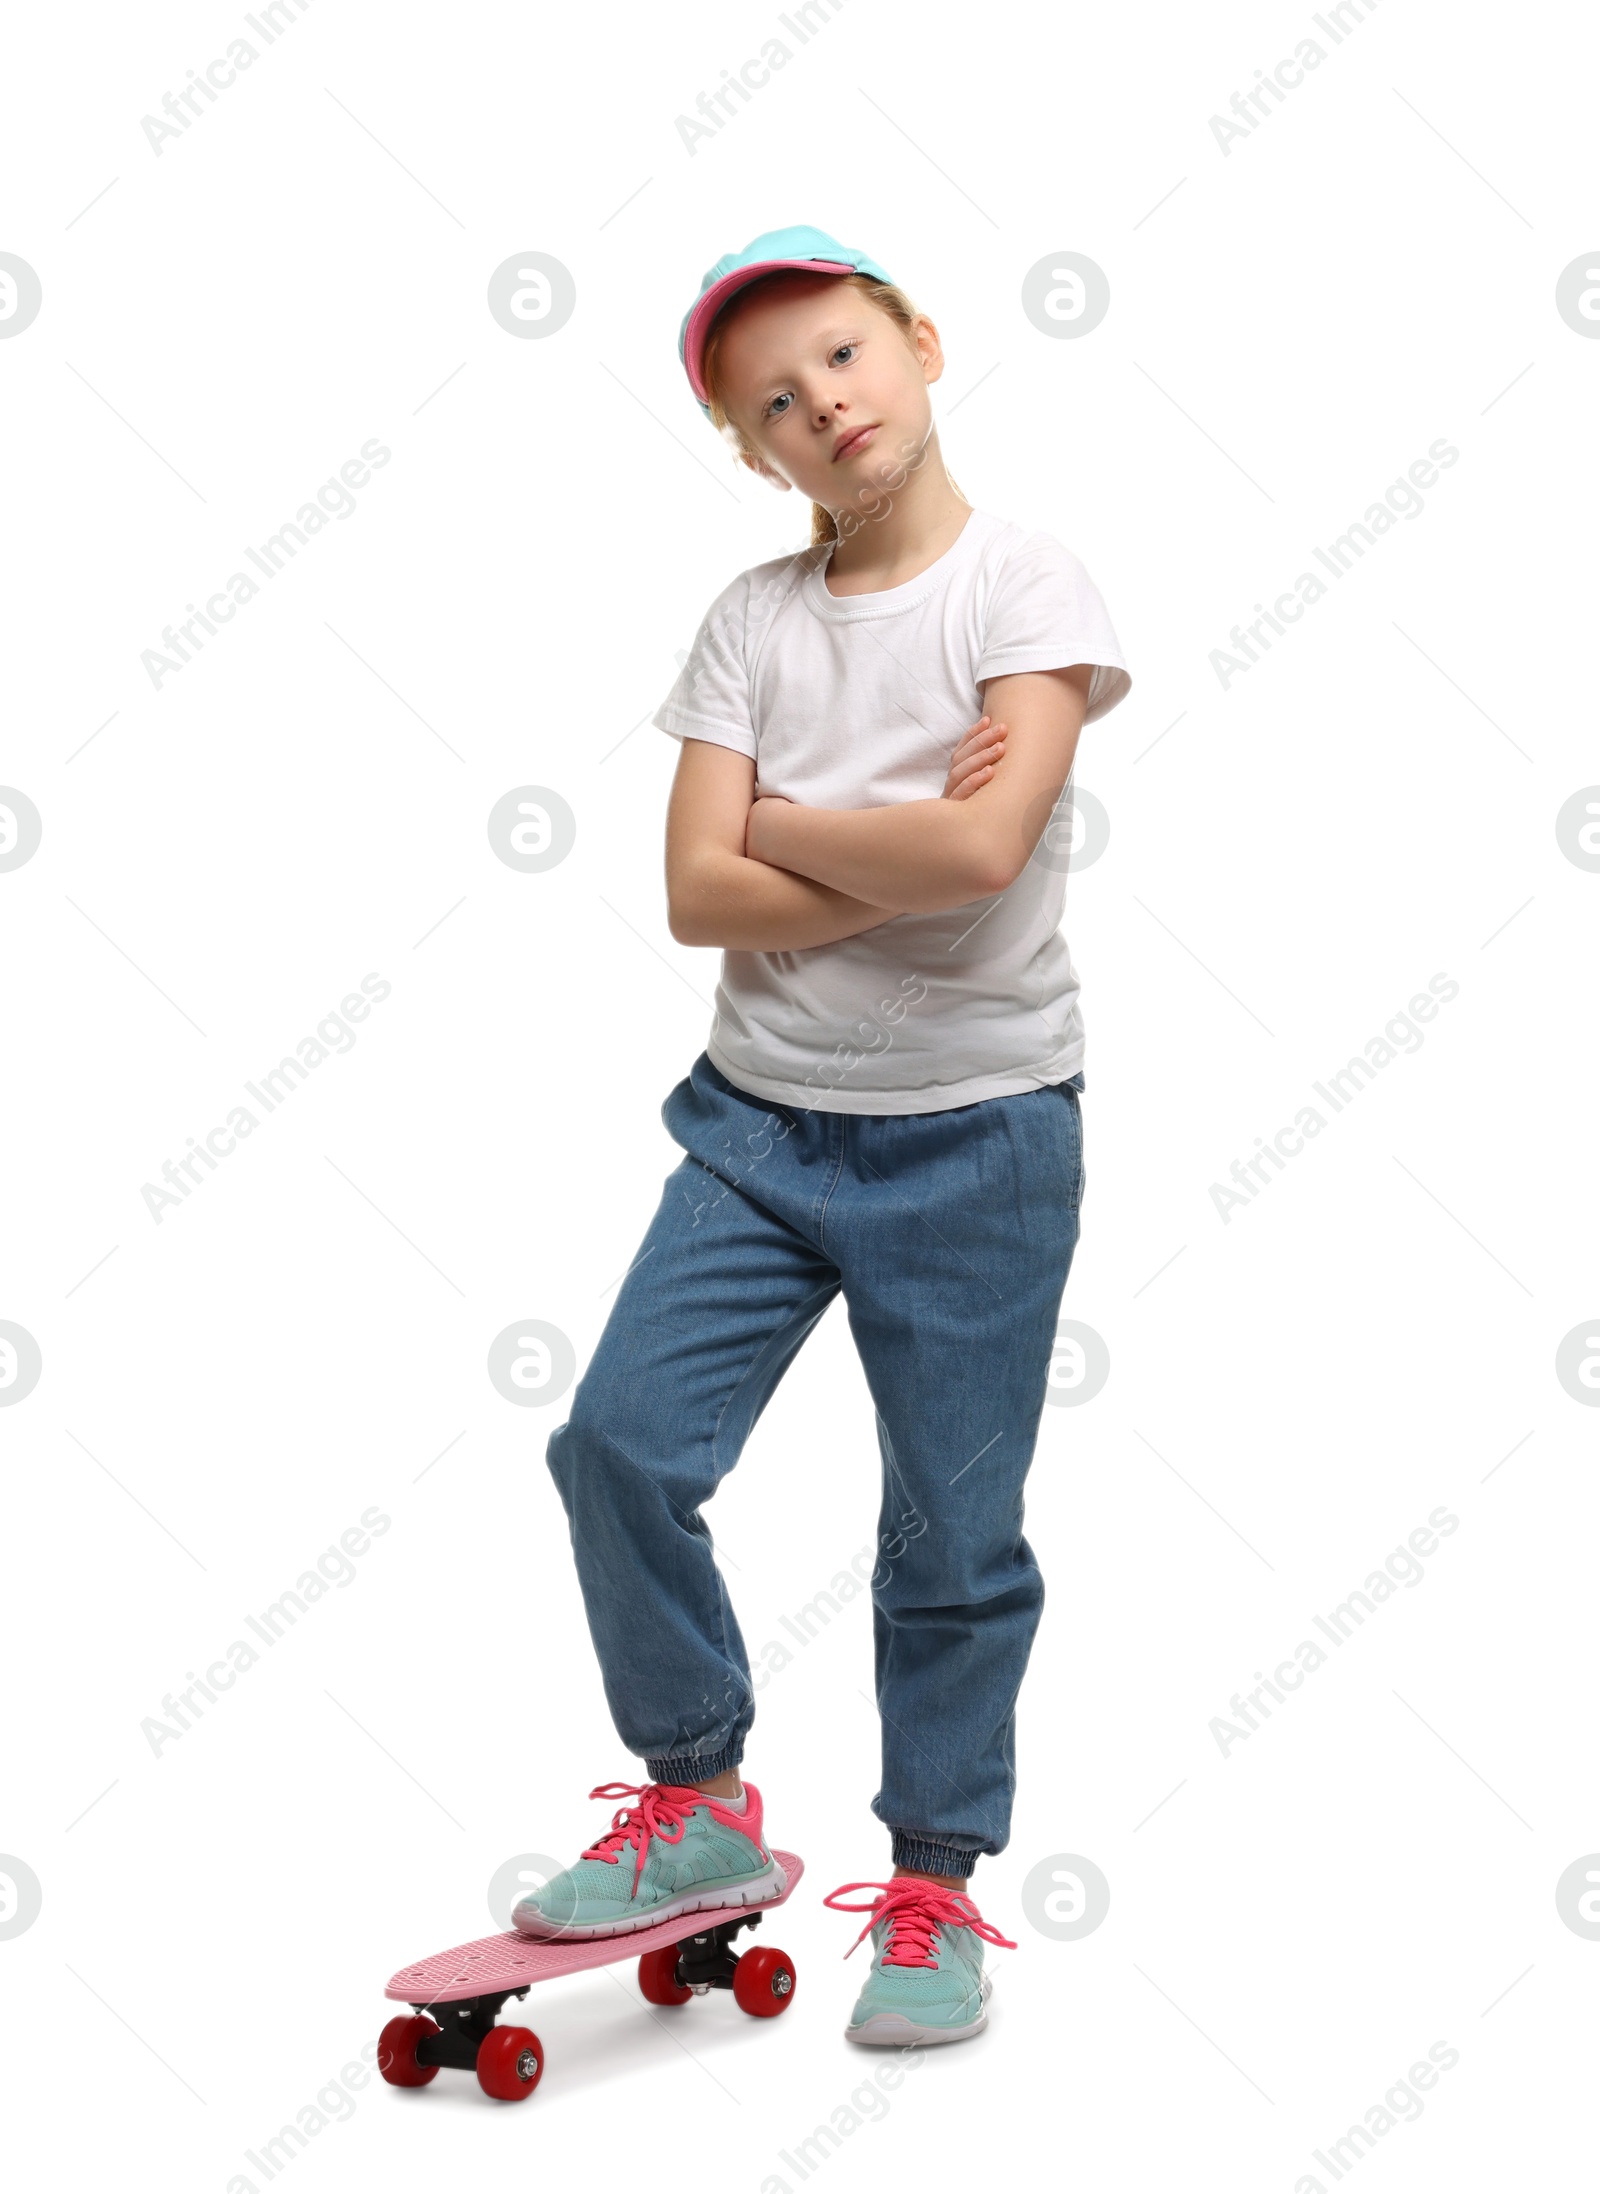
(512, 1961)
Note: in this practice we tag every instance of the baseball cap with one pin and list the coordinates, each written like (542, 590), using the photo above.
(814, 250)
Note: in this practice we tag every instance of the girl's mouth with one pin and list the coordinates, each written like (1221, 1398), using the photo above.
(853, 443)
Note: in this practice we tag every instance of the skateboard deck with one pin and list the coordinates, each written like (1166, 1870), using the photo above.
(469, 1986)
(512, 1962)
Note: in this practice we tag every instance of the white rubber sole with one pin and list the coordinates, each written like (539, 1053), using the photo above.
(893, 2030)
(761, 1889)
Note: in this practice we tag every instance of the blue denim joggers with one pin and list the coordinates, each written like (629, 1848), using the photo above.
(950, 1235)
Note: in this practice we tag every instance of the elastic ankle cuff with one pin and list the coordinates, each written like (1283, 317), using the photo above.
(696, 1767)
(928, 1857)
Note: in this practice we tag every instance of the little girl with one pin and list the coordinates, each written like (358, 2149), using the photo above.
(887, 1108)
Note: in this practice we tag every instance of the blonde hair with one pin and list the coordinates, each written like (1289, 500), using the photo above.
(889, 298)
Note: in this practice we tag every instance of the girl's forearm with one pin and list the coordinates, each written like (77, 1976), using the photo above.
(923, 855)
(748, 905)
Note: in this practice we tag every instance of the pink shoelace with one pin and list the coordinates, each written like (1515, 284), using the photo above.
(914, 1910)
(635, 1825)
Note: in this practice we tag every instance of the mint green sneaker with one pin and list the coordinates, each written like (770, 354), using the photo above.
(676, 1851)
(927, 1982)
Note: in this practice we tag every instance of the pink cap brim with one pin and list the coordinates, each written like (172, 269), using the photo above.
(717, 296)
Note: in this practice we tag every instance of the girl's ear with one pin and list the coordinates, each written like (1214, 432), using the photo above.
(764, 471)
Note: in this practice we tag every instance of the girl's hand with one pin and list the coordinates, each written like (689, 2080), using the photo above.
(973, 762)
(755, 836)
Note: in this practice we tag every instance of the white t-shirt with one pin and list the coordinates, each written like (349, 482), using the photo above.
(857, 701)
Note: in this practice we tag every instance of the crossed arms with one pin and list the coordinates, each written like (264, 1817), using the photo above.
(770, 875)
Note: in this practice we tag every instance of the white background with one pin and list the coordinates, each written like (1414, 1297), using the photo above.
(1292, 1392)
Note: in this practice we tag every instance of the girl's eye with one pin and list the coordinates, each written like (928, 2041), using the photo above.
(780, 404)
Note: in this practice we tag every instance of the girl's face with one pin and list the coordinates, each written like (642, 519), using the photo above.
(826, 389)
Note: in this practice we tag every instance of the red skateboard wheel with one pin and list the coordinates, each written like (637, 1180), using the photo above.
(397, 2052)
(510, 2063)
(764, 1982)
(658, 1977)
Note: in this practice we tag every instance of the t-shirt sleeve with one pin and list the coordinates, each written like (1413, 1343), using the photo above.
(1045, 613)
(711, 699)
